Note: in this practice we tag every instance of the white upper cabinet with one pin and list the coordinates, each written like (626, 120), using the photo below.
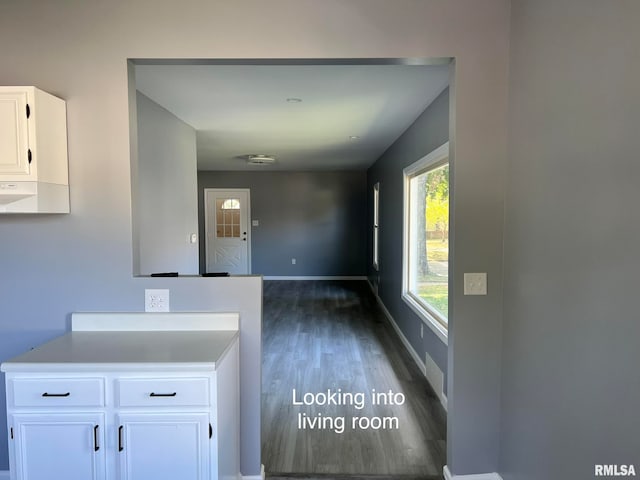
(33, 152)
(14, 135)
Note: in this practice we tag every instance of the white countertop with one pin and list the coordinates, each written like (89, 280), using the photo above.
(102, 350)
(126, 350)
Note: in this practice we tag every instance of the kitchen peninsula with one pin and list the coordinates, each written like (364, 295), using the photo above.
(128, 396)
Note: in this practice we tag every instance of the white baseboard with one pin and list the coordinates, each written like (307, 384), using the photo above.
(318, 277)
(406, 343)
(245, 477)
(481, 476)
(4, 475)
(253, 477)
(431, 371)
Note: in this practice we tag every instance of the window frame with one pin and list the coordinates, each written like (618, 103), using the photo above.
(376, 226)
(433, 319)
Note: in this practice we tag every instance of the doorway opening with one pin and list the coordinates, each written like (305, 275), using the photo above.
(341, 133)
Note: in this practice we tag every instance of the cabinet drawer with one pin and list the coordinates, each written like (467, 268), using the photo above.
(46, 392)
(163, 392)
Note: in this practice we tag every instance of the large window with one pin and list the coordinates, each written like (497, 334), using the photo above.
(426, 238)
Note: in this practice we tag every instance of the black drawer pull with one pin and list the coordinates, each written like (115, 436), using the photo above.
(120, 447)
(46, 394)
(154, 394)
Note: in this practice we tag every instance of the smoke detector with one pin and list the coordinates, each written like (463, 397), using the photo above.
(261, 159)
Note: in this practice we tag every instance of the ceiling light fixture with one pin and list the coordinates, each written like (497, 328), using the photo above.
(261, 159)
(294, 100)
(354, 137)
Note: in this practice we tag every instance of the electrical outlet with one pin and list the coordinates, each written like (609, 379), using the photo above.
(475, 283)
(293, 261)
(156, 300)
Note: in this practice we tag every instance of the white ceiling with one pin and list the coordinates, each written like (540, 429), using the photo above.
(238, 110)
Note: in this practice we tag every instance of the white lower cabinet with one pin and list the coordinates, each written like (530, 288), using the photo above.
(125, 425)
(67, 445)
(163, 446)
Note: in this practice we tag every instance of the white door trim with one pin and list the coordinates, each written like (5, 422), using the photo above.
(207, 227)
(481, 476)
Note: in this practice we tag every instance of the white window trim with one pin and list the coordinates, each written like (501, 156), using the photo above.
(438, 156)
(376, 226)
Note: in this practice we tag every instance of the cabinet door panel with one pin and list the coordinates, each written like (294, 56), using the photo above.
(164, 446)
(59, 446)
(14, 140)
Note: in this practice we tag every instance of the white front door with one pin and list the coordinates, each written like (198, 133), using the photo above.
(226, 223)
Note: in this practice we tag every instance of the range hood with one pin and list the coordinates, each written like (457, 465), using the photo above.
(33, 197)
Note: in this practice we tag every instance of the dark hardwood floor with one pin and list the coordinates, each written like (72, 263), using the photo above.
(332, 335)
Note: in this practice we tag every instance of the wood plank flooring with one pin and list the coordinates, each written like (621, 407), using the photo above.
(330, 335)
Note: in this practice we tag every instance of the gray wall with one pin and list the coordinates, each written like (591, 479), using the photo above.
(318, 218)
(167, 205)
(83, 261)
(428, 132)
(571, 382)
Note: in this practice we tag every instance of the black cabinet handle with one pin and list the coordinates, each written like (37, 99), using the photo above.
(120, 447)
(96, 447)
(46, 394)
(153, 394)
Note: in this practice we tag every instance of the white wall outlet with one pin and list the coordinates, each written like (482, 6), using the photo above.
(475, 283)
(193, 238)
(255, 223)
(156, 300)
(293, 261)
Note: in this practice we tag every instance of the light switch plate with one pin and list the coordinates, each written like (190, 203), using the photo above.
(156, 300)
(475, 283)
(255, 223)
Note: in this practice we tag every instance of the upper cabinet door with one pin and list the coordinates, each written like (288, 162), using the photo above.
(14, 134)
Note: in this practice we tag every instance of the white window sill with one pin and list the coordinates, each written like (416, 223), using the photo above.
(427, 318)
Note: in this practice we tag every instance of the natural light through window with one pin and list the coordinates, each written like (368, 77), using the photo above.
(426, 255)
(231, 204)
(227, 218)
(376, 229)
